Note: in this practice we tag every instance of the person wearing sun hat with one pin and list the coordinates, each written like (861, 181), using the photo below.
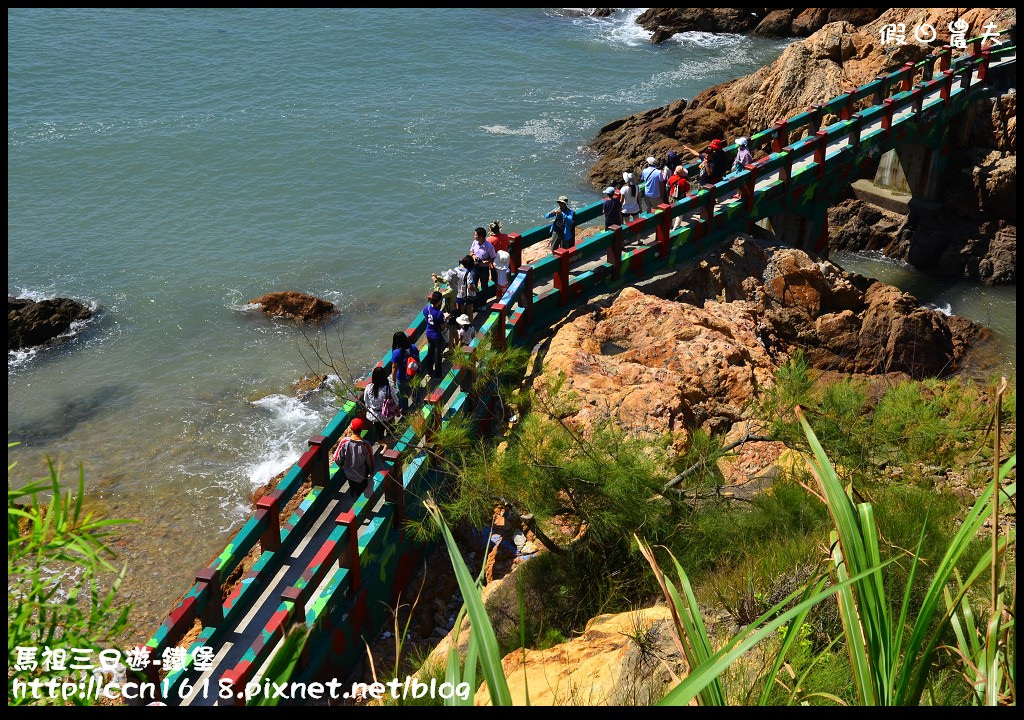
(563, 229)
(630, 196)
(612, 208)
(354, 457)
(501, 270)
(466, 330)
(743, 155)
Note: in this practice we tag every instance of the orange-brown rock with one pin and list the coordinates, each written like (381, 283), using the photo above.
(843, 321)
(623, 659)
(294, 305)
(655, 366)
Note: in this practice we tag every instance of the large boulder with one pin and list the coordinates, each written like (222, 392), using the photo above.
(843, 321)
(36, 322)
(656, 366)
(296, 306)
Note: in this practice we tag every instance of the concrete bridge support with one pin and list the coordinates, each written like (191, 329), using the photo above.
(913, 169)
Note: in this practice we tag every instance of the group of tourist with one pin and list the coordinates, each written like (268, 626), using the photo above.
(668, 182)
(461, 291)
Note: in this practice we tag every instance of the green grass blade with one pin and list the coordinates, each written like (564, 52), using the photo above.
(754, 633)
(490, 655)
(792, 633)
(285, 659)
(860, 661)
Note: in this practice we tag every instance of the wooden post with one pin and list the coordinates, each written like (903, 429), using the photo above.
(815, 124)
(748, 188)
(918, 97)
(781, 138)
(212, 612)
(820, 151)
(526, 298)
(664, 228)
(562, 276)
(908, 77)
(944, 57)
(499, 328)
(882, 90)
(846, 112)
(947, 85)
(709, 211)
(698, 230)
(787, 169)
(515, 252)
(890, 107)
(394, 490)
(293, 595)
(976, 46)
(986, 59)
(270, 505)
(350, 557)
(855, 130)
(320, 472)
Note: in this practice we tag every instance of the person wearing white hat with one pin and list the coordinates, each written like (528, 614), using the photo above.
(654, 185)
(501, 263)
(630, 193)
(466, 330)
(743, 155)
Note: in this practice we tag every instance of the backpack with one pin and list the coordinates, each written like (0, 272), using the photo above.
(389, 408)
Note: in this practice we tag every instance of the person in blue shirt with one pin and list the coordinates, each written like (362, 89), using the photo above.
(654, 185)
(436, 339)
(402, 350)
(563, 229)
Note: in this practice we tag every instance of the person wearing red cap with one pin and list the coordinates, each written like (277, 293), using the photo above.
(354, 457)
(713, 162)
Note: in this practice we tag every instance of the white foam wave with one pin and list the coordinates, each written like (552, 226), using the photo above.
(620, 28)
(280, 435)
(945, 308)
(699, 38)
(18, 358)
(541, 130)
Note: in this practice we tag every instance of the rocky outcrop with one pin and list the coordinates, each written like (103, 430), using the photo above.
(837, 56)
(843, 321)
(36, 322)
(810, 71)
(656, 366)
(666, 22)
(623, 659)
(296, 306)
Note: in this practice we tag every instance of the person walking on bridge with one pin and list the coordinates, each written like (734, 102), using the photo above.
(713, 162)
(612, 207)
(381, 403)
(483, 258)
(563, 229)
(354, 458)
(743, 155)
(630, 193)
(678, 186)
(402, 351)
(436, 339)
(654, 185)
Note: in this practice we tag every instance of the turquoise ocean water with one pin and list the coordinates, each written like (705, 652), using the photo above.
(169, 165)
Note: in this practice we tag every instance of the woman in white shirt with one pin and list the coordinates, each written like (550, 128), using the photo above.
(630, 193)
